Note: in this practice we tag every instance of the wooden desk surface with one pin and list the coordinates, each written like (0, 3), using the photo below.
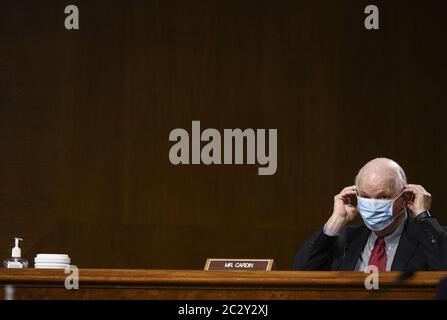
(198, 284)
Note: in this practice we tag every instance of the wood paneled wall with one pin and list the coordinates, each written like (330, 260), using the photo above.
(85, 117)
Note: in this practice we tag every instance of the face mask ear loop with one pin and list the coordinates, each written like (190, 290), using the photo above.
(403, 210)
(399, 195)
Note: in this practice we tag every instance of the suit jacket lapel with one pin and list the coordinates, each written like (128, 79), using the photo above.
(406, 247)
(353, 250)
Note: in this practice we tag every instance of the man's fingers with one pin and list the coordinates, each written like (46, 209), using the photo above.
(349, 189)
(351, 210)
(409, 195)
(416, 187)
(348, 193)
(417, 190)
(412, 185)
(348, 196)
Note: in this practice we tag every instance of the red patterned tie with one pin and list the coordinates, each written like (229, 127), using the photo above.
(378, 255)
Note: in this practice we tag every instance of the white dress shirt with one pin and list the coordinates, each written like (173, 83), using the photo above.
(391, 243)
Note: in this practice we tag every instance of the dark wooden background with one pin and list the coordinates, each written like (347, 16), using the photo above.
(85, 117)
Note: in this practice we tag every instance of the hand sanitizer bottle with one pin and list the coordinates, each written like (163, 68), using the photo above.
(16, 262)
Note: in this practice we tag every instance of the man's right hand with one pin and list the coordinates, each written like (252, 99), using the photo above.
(344, 211)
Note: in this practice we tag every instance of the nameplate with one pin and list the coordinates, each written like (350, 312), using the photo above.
(213, 264)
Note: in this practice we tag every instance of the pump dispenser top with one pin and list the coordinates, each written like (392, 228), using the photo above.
(16, 261)
(16, 252)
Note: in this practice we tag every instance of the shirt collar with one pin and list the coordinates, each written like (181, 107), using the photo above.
(393, 238)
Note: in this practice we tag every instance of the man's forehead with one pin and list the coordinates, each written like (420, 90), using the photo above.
(375, 187)
(375, 191)
(375, 178)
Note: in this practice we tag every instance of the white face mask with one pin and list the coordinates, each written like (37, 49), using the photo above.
(377, 213)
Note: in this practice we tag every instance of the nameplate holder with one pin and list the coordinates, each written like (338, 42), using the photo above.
(214, 264)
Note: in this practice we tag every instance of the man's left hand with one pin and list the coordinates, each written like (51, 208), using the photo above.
(418, 199)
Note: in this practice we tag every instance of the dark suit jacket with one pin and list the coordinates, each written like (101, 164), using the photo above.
(442, 290)
(422, 246)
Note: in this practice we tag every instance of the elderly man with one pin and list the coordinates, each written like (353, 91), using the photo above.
(399, 232)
